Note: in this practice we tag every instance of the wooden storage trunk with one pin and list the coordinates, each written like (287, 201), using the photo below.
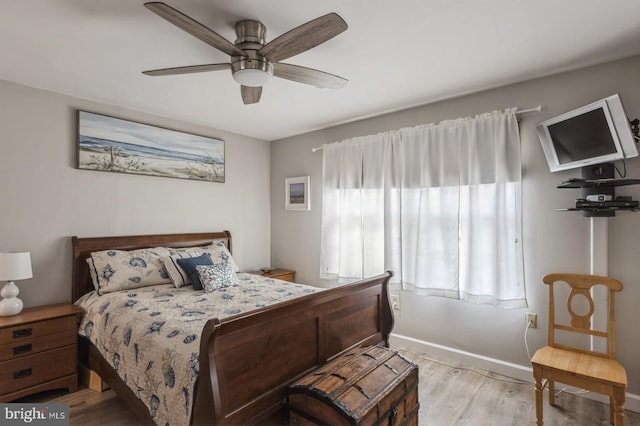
(366, 386)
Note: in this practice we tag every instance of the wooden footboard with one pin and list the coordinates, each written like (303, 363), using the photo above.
(247, 361)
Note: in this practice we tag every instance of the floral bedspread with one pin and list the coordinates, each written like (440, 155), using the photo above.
(151, 335)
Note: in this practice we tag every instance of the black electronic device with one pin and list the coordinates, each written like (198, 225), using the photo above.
(614, 204)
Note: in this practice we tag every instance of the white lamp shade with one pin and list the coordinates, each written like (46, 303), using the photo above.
(15, 266)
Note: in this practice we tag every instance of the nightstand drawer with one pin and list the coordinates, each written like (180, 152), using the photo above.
(23, 332)
(286, 277)
(280, 274)
(35, 369)
(24, 347)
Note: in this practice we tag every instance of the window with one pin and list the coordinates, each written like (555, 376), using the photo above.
(437, 204)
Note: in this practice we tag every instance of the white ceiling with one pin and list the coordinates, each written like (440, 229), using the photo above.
(396, 54)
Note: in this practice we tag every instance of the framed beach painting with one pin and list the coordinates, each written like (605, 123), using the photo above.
(116, 145)
(297, 193)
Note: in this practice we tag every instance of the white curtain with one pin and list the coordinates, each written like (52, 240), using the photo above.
(438, 204)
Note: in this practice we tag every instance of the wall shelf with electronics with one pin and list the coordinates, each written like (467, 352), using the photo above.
(598, 198)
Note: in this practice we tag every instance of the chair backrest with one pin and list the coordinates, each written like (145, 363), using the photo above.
(581, 284)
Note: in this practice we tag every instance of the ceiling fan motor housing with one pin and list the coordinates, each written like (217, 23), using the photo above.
(253, 70)
(250, 32)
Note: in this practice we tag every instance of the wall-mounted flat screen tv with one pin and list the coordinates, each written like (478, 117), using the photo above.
(593, 134)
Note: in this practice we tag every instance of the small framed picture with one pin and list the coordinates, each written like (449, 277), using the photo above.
(297, 192)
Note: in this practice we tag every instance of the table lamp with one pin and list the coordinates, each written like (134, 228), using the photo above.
(13, 266)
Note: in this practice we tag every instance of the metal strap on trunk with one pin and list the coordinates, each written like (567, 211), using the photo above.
(349, 382)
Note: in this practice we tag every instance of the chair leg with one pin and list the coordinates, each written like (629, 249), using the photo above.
(537, 374)
(616, 407)
(552, 392)
(612, 416)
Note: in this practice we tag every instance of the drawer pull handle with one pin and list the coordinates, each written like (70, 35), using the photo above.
(22, 373)
(22, 349)
(22, 333)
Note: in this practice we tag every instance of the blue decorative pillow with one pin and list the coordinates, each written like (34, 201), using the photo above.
(189, 265)
(216, 276)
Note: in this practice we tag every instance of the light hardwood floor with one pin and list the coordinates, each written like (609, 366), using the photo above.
(455, 395)
(449, 395)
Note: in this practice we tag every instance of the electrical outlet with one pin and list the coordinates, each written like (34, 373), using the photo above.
(532, 320)
(395, 302)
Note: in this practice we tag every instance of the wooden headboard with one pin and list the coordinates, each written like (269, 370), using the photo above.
(82, 248)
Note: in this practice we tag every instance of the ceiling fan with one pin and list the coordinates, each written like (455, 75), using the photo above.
(253, 61)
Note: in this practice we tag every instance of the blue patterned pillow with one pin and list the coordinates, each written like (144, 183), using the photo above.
(189, 265)
(113, 270)
(217, 276)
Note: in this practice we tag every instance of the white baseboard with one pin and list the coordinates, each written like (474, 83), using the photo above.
(469, 359)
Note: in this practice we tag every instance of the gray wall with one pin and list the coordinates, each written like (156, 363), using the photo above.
(44, 200)
(553, 241)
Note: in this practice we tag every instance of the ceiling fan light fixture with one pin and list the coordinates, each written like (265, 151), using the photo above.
(252, 77)
(252, 71)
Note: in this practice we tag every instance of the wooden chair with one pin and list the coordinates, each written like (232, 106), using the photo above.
(583, 368)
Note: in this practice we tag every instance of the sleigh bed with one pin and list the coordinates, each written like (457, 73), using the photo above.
(246, 361)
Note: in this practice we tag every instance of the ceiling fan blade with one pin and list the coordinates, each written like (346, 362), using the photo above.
(187, 70)
(250, 95)
(310, 76)
(194, 28)
(304, 37)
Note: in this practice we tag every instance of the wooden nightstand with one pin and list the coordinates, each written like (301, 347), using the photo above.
(281, 274)
(39, 351)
